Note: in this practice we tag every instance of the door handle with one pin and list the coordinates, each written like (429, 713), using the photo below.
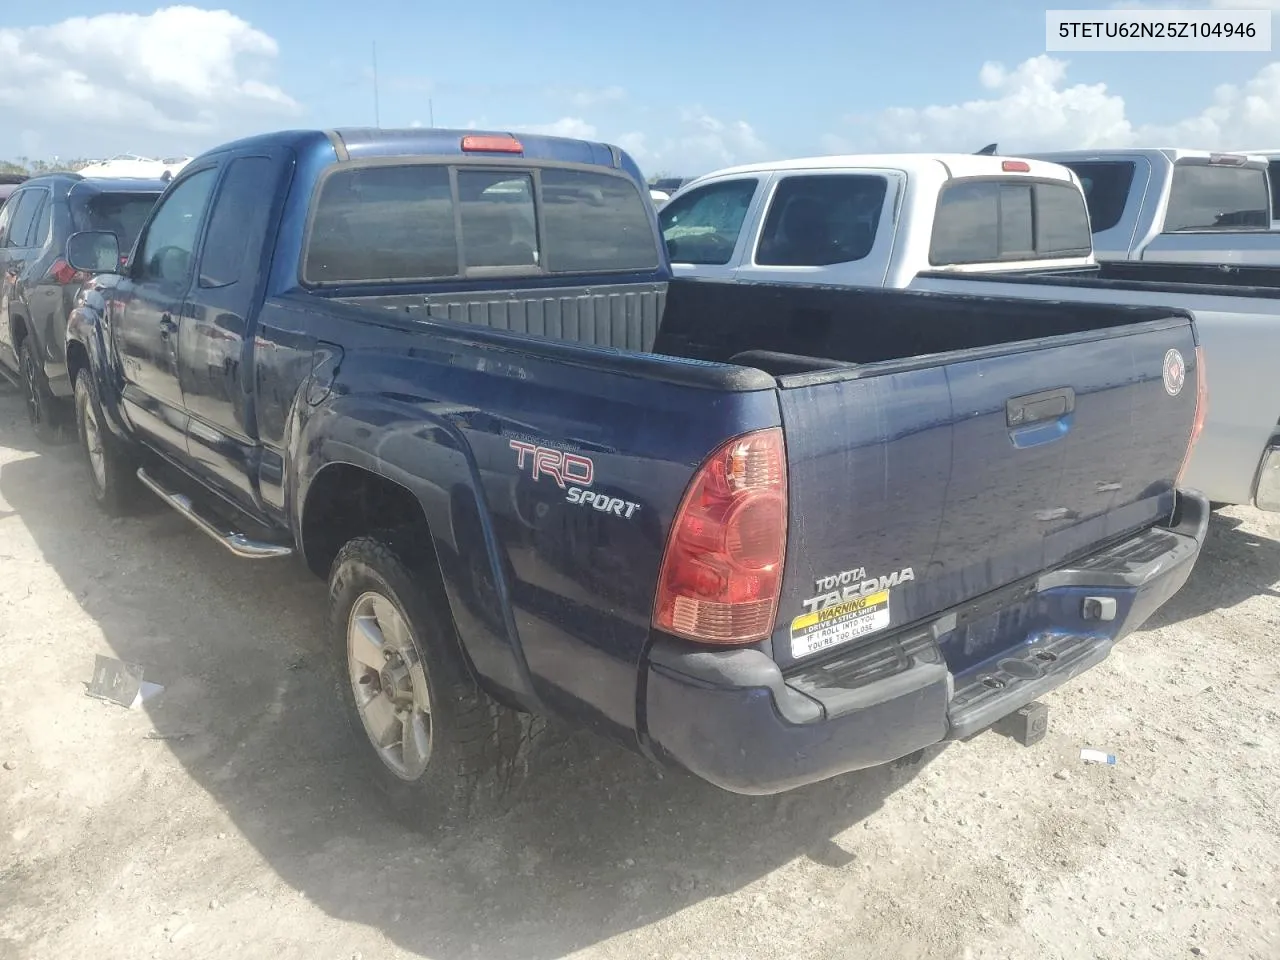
(1039, 418)
(167, 326)
(1039, 407)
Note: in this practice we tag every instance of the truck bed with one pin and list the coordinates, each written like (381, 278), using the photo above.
(930, 441)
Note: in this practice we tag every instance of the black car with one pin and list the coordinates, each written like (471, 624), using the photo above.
(9, 183)
(38, 286)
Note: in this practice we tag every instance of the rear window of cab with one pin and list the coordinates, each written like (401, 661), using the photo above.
(995, 219)
(422, 221)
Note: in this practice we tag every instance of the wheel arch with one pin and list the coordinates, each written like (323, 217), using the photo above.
(377, 452)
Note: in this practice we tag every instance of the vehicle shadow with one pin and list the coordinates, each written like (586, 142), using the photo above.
(596, 842)
(1234, 566)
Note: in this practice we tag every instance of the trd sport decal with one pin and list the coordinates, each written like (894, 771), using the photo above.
(572, 473)
(556, 464)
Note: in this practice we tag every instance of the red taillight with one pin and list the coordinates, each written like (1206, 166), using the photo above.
(64, 273)
(1015, 166)
(1202, 407)
(722, 570)
(488, 144)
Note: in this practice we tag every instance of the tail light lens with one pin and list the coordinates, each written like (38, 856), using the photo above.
(1202, 407)
(64, 273)
(722, 570)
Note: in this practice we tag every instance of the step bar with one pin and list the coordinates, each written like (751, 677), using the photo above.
(237, 543)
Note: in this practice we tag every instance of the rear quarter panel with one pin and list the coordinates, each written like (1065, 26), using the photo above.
(552, 598)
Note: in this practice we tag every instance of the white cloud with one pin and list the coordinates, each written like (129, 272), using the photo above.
(574, 127)
(175, 80)
(1034, 107)
(695, 142)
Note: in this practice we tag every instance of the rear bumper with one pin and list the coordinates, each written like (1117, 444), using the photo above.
(732, 718)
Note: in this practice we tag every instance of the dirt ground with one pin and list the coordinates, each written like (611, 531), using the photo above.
(225, 818)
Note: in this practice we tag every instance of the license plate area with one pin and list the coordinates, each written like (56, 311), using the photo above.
(988, 627)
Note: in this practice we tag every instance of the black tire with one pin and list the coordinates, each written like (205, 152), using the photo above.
(47, 414)
(116, 492)
(478, 748)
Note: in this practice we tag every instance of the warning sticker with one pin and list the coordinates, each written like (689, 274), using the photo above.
(811, 632)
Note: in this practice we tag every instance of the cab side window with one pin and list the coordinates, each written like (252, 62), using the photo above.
(170, 241)
(819, 220)
(237, 223)
(703, 225)
(6, 215)
(40, 232)
(25, 209)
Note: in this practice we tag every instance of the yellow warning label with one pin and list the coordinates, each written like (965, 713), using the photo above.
(845, 621)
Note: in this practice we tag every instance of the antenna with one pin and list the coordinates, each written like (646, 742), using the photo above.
(431, 113)
(377, 118)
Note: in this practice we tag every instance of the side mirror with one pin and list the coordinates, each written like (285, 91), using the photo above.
(94, 251)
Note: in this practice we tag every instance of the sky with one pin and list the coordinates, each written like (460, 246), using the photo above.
(684, 87)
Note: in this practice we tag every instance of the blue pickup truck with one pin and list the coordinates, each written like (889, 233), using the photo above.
(765, 533)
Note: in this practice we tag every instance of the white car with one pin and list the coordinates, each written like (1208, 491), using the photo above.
(131, 166)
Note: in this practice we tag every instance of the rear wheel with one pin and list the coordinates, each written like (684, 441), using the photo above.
(44, 410)
(112, 472)
(435, 744)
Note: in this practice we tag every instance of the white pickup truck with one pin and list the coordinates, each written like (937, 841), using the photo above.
(1272, 156)
(991, 226)
(1176, 206)
(876, 220)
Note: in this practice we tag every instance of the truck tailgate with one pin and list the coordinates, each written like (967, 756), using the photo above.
(918, 485)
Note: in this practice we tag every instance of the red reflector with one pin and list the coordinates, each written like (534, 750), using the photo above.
(1015, 166)
(486, 144)
(722, 570)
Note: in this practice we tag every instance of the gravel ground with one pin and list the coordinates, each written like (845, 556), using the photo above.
(227, 819)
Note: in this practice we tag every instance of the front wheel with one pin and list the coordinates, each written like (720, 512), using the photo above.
(112, 472)
(434, 743)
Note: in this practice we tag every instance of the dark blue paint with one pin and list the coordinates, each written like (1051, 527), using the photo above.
(266, 389)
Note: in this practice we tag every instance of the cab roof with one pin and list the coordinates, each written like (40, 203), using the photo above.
(1173, 154)
(955, 164)
(360, 143)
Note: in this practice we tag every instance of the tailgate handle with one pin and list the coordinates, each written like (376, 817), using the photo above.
(1039, 407)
